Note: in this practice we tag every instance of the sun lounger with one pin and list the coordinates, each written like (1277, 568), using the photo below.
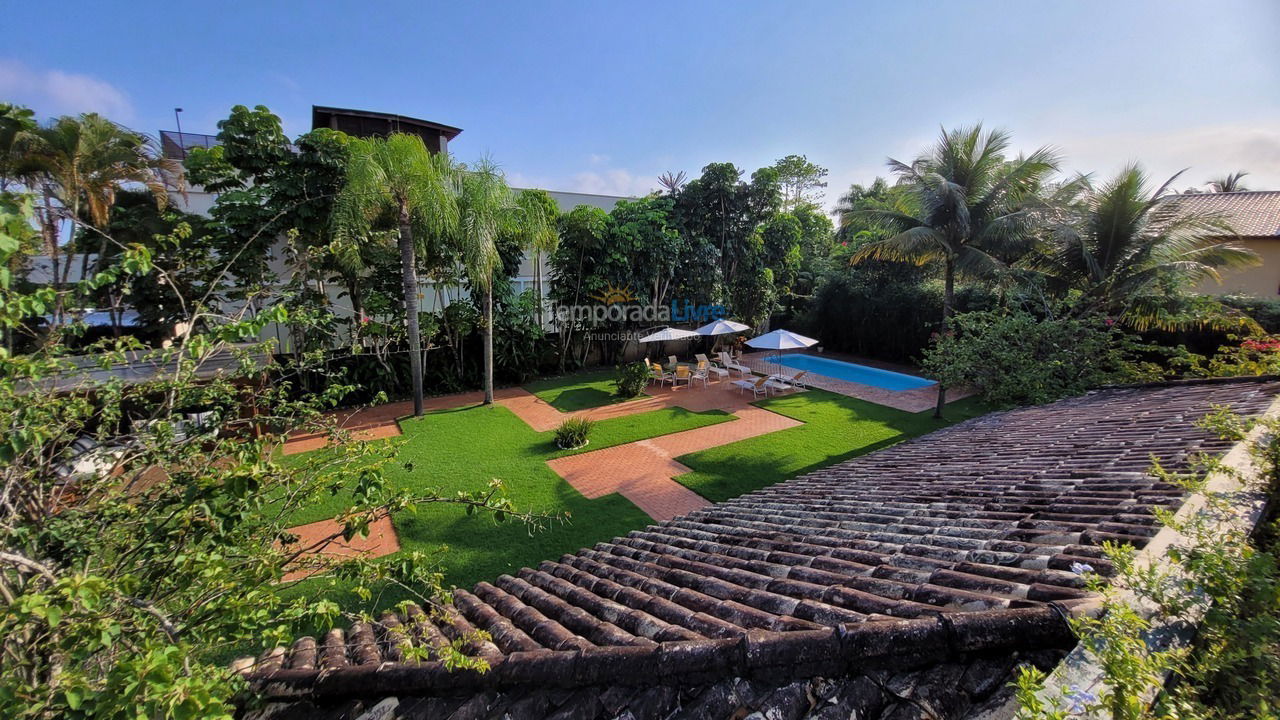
(759, 386)
(729, 364)
(796, 381)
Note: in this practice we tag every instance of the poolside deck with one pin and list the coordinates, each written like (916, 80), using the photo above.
(913, 400)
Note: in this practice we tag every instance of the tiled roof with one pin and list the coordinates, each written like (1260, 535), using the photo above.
(1251, 213)
(951, 548)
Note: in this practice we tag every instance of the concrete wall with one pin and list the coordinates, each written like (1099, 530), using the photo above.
(1262, 281)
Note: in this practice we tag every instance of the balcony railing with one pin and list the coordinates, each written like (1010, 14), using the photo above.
(175, 145)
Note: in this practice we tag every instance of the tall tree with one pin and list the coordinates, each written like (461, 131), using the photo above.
(1130, 254)
(78, 165)
(538, 234)
(397, 177)
(16, 122)
(267, 187)
(486, 212)
(971, 205)
(801, 181)
(584, 234)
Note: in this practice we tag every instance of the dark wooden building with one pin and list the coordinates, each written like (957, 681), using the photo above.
(364, 123)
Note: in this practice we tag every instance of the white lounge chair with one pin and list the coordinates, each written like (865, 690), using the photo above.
(729, 364)
(796, 381)
(710, 367)
(759, 386)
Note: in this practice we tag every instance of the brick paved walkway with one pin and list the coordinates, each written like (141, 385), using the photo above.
(643, 471)
(380, 541)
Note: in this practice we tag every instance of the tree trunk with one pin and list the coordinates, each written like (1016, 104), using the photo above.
(488, 344)
(410, 276)
(537, 282)
(948, 298)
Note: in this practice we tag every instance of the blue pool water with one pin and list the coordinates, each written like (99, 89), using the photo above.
(852, 372)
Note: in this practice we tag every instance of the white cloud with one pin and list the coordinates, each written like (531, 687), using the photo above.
(612, 182)
(1208, 151)
(615, 181)
(54, 92)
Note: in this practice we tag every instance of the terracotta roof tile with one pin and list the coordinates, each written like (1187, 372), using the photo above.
(952, 548)
(1250, 213)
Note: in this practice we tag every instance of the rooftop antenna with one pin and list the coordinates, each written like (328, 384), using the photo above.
(181, 145)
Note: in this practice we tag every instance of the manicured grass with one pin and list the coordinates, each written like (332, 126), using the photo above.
(836, 428)
(464, 448)
(577, 392)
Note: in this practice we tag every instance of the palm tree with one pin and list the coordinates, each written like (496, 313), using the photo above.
(16, 122)
(537, 233)
(1228, 183)
(1129, 253)
(399, 179)
(486, 211)
(968, 207)
(78, 165)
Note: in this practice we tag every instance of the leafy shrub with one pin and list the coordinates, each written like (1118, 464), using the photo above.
(1264, 311)
(631, 379)
(883, 309)
(1257, 355)
(573, 433)
(1016, 358)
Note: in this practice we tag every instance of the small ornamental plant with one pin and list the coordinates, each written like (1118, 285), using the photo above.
(573, 433)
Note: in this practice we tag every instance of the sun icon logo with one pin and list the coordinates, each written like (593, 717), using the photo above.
(611, 295)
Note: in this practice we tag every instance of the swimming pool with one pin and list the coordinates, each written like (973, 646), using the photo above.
(852, 372)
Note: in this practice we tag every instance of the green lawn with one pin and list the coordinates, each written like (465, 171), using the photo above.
(464, 448)
(577, 392)
(836, 428)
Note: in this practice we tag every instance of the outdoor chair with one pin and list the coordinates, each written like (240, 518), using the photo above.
(682, 373)
(701, 373)
(662, 376)
(729, 364)
(758, 387)
(655, 370)
(796, 381)
(672, 362)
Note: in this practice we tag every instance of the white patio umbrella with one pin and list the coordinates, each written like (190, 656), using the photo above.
(722, 327)
(781, 340)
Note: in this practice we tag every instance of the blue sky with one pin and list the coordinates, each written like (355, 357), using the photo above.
(602, 97)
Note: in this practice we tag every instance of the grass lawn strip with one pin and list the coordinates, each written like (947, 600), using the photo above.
(837, 427)
(581, 391)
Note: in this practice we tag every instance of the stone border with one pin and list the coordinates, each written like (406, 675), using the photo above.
(1079, 671)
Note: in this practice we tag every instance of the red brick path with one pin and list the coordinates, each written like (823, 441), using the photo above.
(380, 541)
(642, 471)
